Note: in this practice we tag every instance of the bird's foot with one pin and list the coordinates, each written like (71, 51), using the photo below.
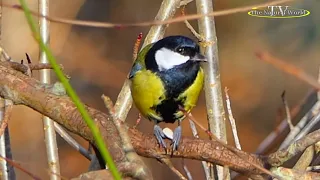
(176, 138)
(159, 135)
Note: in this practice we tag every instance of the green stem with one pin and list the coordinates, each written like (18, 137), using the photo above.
(81, 108)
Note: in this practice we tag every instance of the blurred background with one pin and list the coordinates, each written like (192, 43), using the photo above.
(99, 59)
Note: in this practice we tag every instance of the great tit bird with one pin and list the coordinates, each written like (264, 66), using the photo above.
(166, 80)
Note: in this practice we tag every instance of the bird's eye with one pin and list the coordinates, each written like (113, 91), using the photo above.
(180, 50)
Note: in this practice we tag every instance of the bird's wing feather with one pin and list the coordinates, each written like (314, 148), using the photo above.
(190, 96)
(139, 63)
(147, 92)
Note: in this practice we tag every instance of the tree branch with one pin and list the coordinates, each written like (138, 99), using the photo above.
(281, 156)
(24, 90)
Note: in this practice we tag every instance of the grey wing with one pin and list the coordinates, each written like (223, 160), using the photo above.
(135, 68)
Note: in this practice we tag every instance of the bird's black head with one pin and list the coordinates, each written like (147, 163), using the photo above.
(171, 52)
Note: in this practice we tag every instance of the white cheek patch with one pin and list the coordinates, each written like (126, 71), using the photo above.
(167, 59)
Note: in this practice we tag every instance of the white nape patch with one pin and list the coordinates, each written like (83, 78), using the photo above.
(167, 59)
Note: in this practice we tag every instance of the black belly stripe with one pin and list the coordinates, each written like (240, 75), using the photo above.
(176, 81)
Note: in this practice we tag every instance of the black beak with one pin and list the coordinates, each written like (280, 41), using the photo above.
(199, 57)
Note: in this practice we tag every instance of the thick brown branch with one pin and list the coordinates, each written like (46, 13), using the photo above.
(281, 156)
(293, 174)
(27, 91)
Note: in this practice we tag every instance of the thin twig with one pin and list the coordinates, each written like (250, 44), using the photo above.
(150, 23)
(8, 106)
(232, 120)
(72, 142)
(5, 54)
(189, 26)
(305, 130)
(204, 163)
(271, 138)
(20, 168)
(186, 170)
(286, 106)
(309, 118)
(167, 162)
(136, 47)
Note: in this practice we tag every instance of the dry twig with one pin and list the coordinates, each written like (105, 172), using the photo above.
(281, 156)
(168, 162)
(204, 164)
(293, 174)
(20, 168)
(6, 116)
(305, 159)
(270, 140)
(189, 26)
(286, 106)
(186, 170)
(232, 120)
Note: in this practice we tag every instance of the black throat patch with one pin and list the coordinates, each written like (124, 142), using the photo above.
(176, 81)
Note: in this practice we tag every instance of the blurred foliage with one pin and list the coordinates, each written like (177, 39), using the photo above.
(297, 35)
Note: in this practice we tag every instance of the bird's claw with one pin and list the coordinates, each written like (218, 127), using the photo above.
(176, 138)
(159, 135)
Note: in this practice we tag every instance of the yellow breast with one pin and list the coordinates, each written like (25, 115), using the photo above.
(148, 91)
